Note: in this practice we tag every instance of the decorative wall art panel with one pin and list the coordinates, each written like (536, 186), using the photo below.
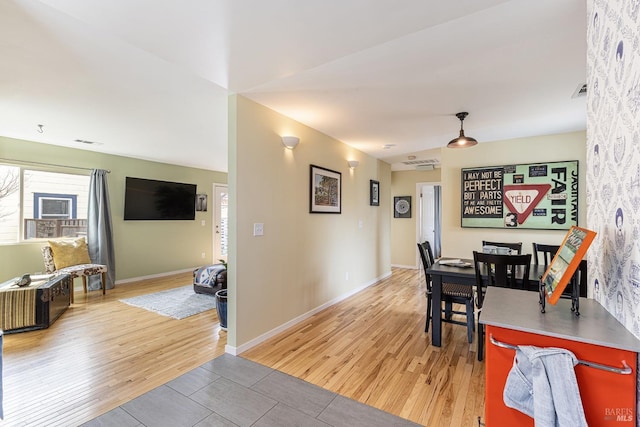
(537, 195)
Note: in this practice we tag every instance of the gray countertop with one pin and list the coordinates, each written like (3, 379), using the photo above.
(519, 310)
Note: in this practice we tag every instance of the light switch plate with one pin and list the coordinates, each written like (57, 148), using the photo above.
(258, 229)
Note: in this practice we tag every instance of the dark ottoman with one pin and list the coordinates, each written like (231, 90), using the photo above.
(210, 279)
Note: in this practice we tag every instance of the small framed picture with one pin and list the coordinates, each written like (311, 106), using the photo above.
(374, 193)
(201, 202)
(402, 207)
(325, 195)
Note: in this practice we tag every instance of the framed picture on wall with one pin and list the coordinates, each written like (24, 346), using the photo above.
(201, 202)
(402, 207)
(527, 196)
(325, 192)
(374, 193)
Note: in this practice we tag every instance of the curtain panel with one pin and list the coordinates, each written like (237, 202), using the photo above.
(100, 229)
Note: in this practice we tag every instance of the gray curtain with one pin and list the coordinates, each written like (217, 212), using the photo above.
(100, 230)
(437, 206)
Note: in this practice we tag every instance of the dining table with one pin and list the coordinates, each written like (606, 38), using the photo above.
(461, 272)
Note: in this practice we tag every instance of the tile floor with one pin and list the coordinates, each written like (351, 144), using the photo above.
(232, 391)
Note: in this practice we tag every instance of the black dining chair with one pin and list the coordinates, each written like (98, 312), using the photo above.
(507, 271)
(547, 252)
(452, 293)
(513, 246)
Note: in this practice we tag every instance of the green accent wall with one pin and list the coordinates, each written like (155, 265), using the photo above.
(142, 248)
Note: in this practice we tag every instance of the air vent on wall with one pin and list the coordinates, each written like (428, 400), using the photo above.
(580, 91)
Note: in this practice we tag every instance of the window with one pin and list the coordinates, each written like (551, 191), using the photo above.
(9, 204)
(38, 204)
(54, 206)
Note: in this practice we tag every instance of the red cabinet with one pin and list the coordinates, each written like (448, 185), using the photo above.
(608, 398)
(512, 317)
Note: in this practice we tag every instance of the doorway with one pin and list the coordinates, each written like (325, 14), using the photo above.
(429, 224)
(220, 222)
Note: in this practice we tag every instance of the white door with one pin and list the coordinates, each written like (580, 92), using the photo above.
(428, 222)
(220, 222)
(428, 226)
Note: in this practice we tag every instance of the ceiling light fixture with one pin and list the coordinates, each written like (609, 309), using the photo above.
(290, 141)
(462, 141)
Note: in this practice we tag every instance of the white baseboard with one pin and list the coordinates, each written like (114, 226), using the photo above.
(258, 340)
(153, 276)
(410, 267)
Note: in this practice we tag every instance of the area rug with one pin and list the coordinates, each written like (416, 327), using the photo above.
(177, 303)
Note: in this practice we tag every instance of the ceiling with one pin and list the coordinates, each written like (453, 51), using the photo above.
(150, 79)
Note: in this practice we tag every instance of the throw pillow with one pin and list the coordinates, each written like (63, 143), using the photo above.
(69, 252)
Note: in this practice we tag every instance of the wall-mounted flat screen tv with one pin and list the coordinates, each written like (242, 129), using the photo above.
(148, 199)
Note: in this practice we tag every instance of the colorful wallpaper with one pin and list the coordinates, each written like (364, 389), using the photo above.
(613, 156)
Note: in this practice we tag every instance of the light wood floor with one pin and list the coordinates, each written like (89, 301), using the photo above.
(372, 347)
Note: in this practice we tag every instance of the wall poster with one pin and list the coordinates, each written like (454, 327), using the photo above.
(536, 195)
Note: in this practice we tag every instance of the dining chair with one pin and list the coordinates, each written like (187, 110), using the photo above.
(507, 271)
(547, 252)
(513, 246)
(452, 293)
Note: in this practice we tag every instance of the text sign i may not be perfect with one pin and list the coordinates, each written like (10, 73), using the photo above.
(537, 196)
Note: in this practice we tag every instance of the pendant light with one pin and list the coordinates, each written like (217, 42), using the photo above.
(462, 141)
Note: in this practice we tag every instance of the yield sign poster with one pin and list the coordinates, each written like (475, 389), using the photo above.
(521, 199)
(535, 195)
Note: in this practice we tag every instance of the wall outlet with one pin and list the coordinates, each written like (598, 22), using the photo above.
(203, 255)
(258, 229)
(203, 222)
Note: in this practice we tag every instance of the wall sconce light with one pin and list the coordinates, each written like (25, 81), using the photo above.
(462, 141)
(290, 141)
(353, 163)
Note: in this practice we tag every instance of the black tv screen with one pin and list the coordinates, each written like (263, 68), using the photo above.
(148, 199)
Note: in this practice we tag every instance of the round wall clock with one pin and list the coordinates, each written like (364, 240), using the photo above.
(402, 207)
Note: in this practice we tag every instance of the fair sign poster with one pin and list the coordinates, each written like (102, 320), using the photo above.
(534, 196)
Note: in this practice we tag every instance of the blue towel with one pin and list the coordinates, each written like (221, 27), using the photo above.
(542, 384)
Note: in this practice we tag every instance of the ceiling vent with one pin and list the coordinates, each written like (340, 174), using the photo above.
(580, 91)
(426, 162)
(425, 167)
